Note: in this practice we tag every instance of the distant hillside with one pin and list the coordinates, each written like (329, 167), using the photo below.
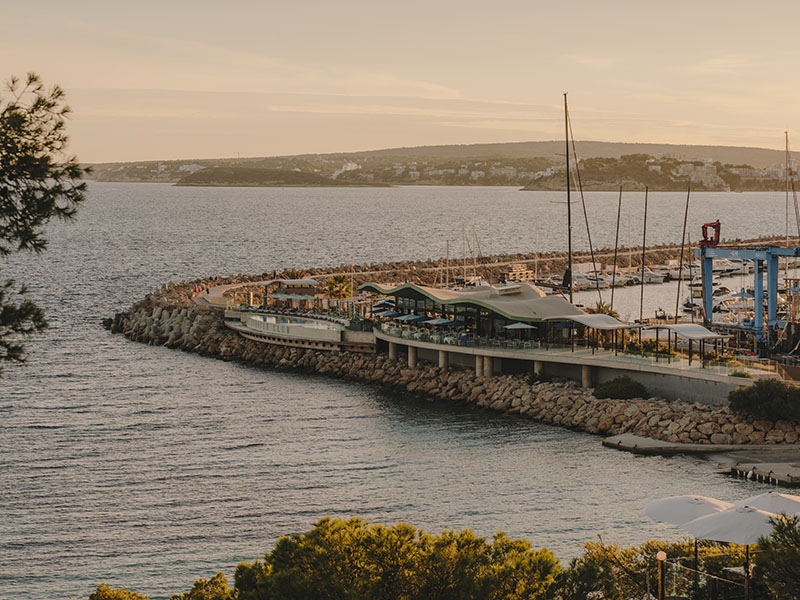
(637, 171)
(534, 156)
(756, 157)
(248, 176)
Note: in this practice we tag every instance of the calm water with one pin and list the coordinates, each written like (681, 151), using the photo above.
(148, 468)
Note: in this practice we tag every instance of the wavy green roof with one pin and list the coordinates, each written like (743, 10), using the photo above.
(529, 303)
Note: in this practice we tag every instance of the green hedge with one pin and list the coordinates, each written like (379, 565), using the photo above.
(621, 388)
(767, 399)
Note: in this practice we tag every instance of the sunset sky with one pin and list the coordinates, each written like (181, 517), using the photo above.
(195, 79)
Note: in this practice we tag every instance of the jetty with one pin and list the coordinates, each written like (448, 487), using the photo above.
(512, 328)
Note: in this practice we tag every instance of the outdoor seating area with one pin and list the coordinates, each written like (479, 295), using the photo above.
(456, 337)
(320, 314)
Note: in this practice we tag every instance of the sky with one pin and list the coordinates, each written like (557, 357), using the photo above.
(203, 79)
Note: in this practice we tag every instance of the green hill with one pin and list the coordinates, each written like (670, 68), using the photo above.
(255, 177)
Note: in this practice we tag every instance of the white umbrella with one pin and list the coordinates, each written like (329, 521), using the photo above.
(739, 525)
(773, 502)
(679, 510)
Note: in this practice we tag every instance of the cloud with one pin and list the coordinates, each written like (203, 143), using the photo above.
(722, 65)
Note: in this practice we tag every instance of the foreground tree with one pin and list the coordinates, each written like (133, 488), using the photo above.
(778, 562)
(38, 182)
(215, 588)
(352, 559)
(103, 592)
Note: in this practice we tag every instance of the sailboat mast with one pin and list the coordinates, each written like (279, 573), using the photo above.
(786, 264)
(447, 265)
(644, 249)
(616, 247)
(680, 265)
(569, 202)
(464, 241)
(536, 262)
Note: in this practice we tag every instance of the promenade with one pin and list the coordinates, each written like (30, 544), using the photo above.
(671, 378)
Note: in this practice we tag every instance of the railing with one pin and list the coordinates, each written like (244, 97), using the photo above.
(463, 339)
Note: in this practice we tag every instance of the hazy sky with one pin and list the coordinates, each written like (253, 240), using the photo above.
(175, 79)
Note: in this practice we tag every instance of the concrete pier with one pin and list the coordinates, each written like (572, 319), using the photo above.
(586, 376)
(488, 366)
(444, 359)
(412, 356)
(673, 380)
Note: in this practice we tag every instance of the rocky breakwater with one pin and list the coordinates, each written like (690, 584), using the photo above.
(182, 325)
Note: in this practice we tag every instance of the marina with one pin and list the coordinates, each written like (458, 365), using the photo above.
(176, 433)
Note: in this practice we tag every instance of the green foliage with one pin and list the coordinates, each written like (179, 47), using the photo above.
(602, 308)
(22, 318)
(769, 399)
(621, 388)
(251, 581)
(778, 563)
(615, 573)
(352, 559)
(37, 183)
(103, 592)
(740, 373)
(338, 286)
(249, 176)
(293, 274)
(215, 588)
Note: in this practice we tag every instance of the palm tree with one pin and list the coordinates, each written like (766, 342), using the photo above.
(603, 308)
(339, 287)
(293, 274)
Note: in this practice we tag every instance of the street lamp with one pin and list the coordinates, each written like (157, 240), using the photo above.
(662, 557)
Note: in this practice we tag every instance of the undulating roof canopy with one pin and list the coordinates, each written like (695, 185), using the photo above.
(595, 321)
(690, 331)
(523, 302)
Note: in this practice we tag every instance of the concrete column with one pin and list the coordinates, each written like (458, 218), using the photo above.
(538, 367)
(444, 359)
(586, 376)
(488, 367)
(412, 356)
(478, 366)
(392, 351)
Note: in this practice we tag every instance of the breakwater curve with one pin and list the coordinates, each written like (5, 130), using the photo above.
(170, 318)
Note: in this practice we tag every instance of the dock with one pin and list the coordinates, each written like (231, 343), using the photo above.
(782, 474)
(784, 470)
(643, 445)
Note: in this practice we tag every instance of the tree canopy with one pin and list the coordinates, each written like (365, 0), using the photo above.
(38, 182)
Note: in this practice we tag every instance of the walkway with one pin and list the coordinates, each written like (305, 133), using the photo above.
(671, 380)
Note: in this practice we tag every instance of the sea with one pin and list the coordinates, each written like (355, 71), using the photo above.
(149, 468)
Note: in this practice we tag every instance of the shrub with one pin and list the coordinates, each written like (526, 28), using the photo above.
(740, 373)
(769, 399)
(104, 592)
(779, 560)
(621, 388)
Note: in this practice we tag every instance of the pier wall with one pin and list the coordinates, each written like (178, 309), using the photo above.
(182, 325)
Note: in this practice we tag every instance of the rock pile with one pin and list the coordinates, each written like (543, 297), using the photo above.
(202, 330)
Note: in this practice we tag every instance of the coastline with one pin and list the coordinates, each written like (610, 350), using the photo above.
(171, 319)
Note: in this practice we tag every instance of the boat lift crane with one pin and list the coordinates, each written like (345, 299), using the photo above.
(764, 260)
